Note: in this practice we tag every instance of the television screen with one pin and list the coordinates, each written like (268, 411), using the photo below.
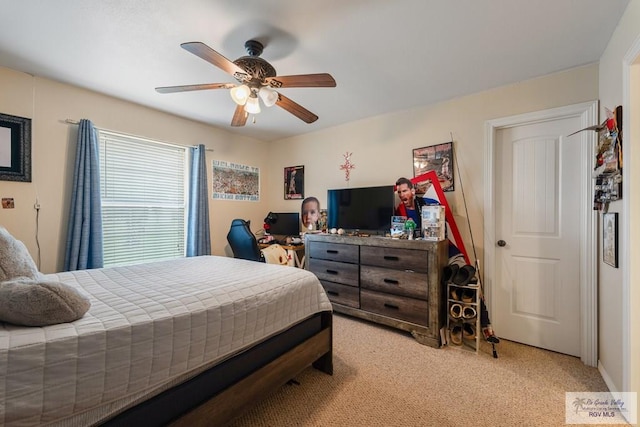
(367, 209)
(284, 223)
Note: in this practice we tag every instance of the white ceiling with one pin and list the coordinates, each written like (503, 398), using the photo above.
(384, 55)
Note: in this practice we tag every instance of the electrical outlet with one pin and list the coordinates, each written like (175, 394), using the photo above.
(36, 206)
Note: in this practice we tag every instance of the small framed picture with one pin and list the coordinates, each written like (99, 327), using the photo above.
(610, 238)
(294, 183)
(438, 158)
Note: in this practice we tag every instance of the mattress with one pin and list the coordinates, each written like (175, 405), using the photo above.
(150, 326)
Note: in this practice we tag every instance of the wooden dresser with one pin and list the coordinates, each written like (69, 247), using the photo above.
(392, 282)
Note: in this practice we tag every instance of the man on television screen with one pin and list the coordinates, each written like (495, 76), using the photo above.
(410, 205)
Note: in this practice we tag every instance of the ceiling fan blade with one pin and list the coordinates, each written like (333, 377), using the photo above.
(205, 52)
(302, 80)
(239, 116)
(186, 88)
(296, 109)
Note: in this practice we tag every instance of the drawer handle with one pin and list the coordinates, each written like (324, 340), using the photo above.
(391, 281)
(332, 251)
(334, 293)
(332, 272)
(391, 258)
(395, 307)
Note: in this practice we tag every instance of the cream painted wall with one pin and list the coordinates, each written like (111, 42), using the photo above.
(48, 104)
(611, 300)
(382, 146)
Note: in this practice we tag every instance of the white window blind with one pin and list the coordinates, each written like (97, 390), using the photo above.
(143, 189)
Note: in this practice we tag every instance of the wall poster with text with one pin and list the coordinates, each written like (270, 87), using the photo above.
(233, 181)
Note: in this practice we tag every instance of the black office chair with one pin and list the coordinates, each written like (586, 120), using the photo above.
(243, 242)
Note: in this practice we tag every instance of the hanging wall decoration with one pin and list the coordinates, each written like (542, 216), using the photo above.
(610, 238)
(437, 158)
(608, 161)
(233, 181)
(15, 148)
(347, 165)
(608, 171)
(294, 183)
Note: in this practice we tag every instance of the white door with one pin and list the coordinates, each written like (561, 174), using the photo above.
(536, 291)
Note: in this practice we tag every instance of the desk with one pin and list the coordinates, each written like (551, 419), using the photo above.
(292, 252)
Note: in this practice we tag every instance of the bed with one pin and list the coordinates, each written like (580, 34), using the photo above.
(190, 341)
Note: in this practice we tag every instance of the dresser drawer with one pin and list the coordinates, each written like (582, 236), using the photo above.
(333, 271)
(335, 252)
(342, 294)
(396, 258)
(402, 308)
(398, 282)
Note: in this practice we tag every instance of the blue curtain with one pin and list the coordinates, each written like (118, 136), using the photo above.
(84, 236)
(198, 234)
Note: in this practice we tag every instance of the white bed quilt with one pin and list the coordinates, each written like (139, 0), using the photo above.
(148, 325)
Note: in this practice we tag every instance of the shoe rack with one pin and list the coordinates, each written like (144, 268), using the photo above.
(463, 315)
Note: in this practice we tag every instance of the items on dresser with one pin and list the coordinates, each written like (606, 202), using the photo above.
(433, 222)
(388, 281)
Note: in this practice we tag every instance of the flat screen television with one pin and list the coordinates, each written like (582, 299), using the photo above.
(366, 209)
(283, 223)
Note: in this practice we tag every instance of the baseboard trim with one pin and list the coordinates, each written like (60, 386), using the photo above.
(607, 379)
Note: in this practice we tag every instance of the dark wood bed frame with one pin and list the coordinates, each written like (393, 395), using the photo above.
(223, 392)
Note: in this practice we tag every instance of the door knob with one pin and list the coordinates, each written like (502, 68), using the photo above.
(501, 243)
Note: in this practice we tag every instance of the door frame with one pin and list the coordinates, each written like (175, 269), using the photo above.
(630, 316)
(588, 114)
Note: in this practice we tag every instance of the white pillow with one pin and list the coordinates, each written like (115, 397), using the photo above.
(39, 303)
(15, 260)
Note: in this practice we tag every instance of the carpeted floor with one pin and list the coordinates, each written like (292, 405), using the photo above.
(383, 377)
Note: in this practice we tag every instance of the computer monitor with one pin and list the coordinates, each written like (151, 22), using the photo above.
(283, 223)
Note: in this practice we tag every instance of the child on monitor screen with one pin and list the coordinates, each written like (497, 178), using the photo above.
(310, 213)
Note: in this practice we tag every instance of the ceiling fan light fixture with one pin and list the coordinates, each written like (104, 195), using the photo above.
(253, 105)
(240, 94)
(268, 96)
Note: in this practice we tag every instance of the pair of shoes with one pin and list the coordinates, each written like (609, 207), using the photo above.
(448, 272)
(455, 334)
(456, 293)
(455, 310)
(468, 312)
(458, 311)
(489, 335)
(464, 275)
(468, 331)
(468, 295)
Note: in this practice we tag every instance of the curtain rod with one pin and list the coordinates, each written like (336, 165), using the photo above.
(76, 122)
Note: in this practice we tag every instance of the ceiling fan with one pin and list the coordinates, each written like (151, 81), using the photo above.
(257, 79)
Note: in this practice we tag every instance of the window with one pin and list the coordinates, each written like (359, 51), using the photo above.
(143, 186)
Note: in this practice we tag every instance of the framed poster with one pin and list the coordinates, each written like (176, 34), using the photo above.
(437, 158)
(233, 181)
(294, 183)
(15, 148)
(610, 238)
